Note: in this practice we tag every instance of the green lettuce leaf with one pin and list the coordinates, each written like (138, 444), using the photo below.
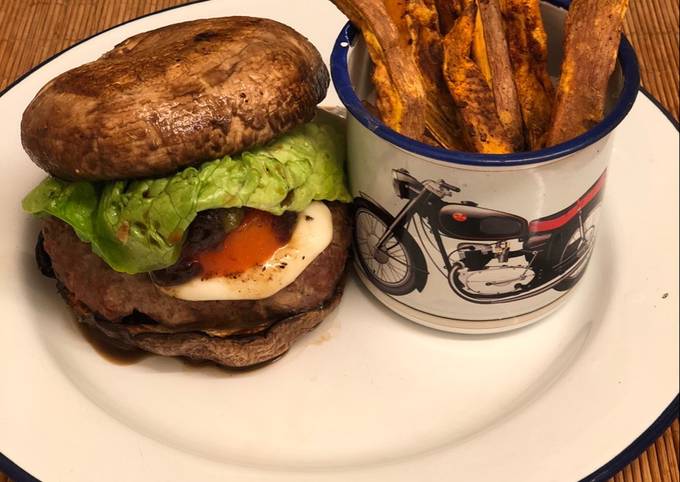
(139, 226)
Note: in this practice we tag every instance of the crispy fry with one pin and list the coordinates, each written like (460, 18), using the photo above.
(417, 23)
(479, 49)
(422, 22)
(396, 76)
(592, 34)
(528, 47)
(396, 9)
(502, 81)
(482, 126)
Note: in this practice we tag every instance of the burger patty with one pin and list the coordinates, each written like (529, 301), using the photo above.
(116, 297)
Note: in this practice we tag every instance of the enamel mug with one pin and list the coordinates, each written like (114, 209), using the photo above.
(466, 242)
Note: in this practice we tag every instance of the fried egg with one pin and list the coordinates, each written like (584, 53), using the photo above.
(311, 235)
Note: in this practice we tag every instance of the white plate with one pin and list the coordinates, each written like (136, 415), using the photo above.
(367, 395)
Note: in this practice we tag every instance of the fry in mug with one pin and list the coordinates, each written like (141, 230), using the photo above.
(528, 49)
(399, 88)
(482, 127)
(592, 35)
(418, 25)
(491, 52)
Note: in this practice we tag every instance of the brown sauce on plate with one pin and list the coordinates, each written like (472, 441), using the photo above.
(109, 349)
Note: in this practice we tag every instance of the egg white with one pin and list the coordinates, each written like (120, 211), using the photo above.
(312, 234)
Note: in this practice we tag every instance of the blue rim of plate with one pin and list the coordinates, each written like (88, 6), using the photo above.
(626, 456)
(345, 89)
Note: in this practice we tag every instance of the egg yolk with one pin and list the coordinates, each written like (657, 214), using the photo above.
(252, 243)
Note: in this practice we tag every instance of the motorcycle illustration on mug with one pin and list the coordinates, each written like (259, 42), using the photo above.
(499, 256)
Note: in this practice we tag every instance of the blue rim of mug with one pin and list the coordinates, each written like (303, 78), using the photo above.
(343, 85)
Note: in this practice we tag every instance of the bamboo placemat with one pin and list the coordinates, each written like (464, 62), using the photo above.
(33, 30)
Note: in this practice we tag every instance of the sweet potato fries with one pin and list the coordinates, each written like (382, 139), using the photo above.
(398, 83)
(474, 97)
(472, 75)
(592, 34)
(528, 49)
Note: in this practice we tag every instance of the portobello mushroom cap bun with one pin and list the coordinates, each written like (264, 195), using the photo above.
(196, 203)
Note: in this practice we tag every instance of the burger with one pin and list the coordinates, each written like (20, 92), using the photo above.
(196, 198)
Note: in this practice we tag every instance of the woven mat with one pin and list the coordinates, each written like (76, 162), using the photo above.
(33, 30)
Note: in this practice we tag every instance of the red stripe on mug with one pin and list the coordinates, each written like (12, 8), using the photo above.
(561, 220)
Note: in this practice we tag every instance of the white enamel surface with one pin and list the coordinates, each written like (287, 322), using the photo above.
(312, 234)
(367, 396)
